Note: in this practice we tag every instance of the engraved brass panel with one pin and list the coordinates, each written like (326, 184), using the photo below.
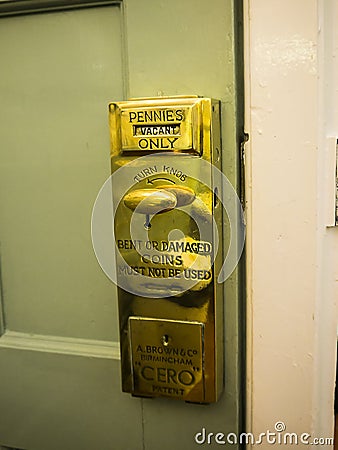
(167, 358)
(173, 125)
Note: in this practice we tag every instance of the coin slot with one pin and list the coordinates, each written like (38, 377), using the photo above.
(217, 154)
(216, 199)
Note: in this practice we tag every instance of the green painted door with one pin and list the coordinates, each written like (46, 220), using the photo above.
(59, 358)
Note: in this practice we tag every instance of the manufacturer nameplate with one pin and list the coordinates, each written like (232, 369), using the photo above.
(165, 125)
(167, 358)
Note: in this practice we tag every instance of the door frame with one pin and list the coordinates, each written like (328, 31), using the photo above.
(280, 86)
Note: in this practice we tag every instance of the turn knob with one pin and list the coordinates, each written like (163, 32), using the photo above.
(151, 201)
(184, 195)
(159, 200)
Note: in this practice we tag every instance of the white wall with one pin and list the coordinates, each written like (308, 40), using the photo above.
(291, 93)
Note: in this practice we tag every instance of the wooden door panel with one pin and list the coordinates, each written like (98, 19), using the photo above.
(59, 357)
(59, 71)
(57, 401)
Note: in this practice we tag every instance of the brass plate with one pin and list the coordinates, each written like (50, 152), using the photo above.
(167, 282)
(167, 358)
(167, 124)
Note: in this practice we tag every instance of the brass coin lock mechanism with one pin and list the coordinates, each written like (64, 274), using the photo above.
(168, 235)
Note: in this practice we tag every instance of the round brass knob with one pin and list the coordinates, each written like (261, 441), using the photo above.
(151, 201)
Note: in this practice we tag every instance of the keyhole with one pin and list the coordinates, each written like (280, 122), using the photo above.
(165, 340)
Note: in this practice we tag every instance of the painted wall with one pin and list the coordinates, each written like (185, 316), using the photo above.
(291, 81)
